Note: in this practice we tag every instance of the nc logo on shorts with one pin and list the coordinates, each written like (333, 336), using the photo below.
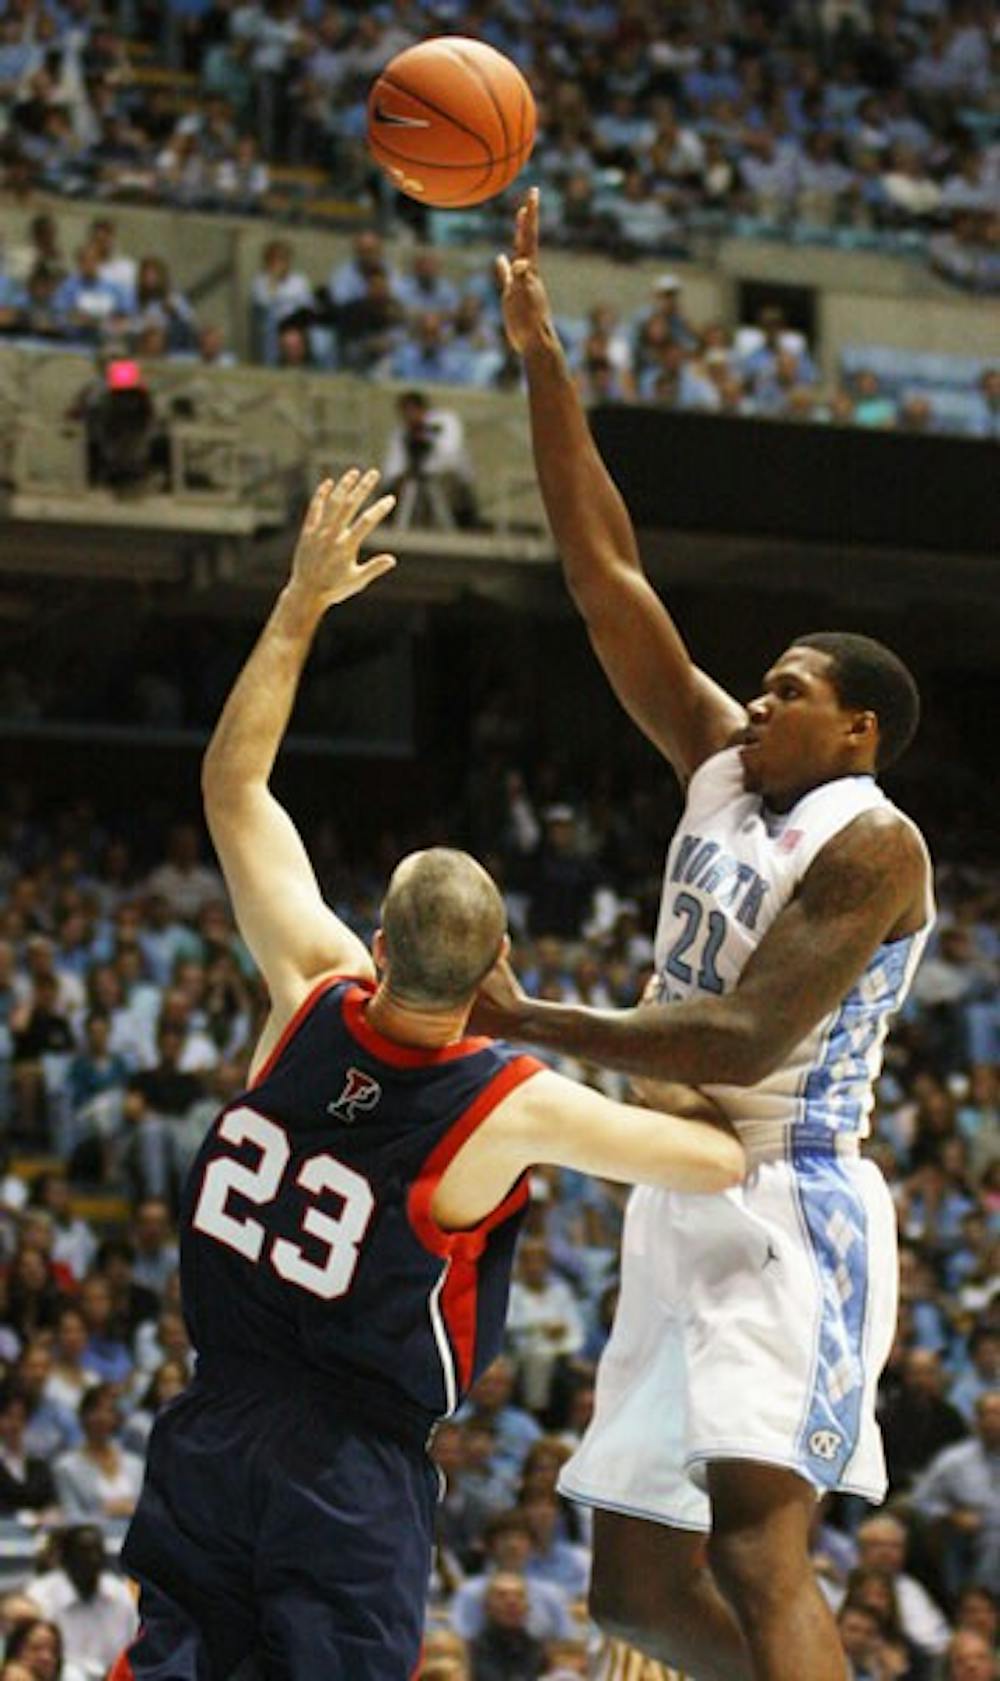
(825, 1444)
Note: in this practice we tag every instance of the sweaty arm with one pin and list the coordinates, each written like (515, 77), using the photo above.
(291, 933)
(867, 885)
(682, 710)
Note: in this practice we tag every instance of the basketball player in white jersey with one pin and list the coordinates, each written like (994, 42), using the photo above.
(739, 1381)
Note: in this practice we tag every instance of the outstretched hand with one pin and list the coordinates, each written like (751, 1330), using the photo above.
(523, 297)
(325, 565)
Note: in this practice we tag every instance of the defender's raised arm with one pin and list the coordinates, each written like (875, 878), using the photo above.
(684, 713)
(292, 934)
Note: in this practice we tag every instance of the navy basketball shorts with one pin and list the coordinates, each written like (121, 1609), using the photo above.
(276, 1536)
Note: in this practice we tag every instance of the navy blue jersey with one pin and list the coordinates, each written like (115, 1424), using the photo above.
(307, 1239)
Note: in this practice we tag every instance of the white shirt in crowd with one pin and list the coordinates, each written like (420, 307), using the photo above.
(186, 890)
(94, 1630)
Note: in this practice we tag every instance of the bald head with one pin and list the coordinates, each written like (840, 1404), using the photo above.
(443, 921)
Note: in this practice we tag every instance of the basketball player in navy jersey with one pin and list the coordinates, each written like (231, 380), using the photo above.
(348, 1227)
(740, 1377)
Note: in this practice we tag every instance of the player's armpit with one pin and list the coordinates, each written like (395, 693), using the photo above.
(867, 886)
(290, 931)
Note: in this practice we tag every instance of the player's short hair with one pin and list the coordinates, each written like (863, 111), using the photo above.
(868, 675)
(444, 920)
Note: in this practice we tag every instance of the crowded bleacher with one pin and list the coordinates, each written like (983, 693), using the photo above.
(851, 127)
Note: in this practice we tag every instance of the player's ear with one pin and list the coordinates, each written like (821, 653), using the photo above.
(503, 952)
(864, 729)
(378, 950)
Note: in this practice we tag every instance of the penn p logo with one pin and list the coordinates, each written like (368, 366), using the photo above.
(825, 1444)
(361, 1092)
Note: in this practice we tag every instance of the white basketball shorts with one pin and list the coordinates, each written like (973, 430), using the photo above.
(751, 1325)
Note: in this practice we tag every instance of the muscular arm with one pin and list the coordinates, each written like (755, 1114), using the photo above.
(867, 885)
(684, 713)
(292, 934)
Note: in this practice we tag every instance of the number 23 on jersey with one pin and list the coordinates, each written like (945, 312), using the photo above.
(337, 1235)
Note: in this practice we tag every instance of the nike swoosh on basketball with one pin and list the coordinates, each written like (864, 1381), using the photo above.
(393, 119)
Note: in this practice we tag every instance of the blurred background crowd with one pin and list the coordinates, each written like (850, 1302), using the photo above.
(128, 1011)
(865, 115)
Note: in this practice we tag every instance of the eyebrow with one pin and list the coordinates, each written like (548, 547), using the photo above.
(779, 674)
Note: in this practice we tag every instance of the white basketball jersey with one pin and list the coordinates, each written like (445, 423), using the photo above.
(732, 867)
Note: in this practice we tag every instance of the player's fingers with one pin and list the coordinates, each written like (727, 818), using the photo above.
(341, 491)
(531, 225)
(521, 269)
(359, 493)
(502, 267)
(365, 524)
(317, 505)
(376, 568)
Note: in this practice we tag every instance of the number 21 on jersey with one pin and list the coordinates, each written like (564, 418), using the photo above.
(689, 946)
(339, 1234)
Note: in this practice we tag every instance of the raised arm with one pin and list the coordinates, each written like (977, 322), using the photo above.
(292, 934)
(867, 885)
(684, 713)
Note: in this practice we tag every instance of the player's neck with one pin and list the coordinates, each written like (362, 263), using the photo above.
(781, 801)
(409, 1025)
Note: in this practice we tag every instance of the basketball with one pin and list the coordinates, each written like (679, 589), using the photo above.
(451, 121)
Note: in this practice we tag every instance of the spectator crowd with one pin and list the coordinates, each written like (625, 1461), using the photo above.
(858, 121)
(128, 1010)
(864, 116)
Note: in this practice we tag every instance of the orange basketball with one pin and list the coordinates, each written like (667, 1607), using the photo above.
(451, 121)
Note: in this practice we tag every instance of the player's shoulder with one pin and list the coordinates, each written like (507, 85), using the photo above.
(547, 1099)
(881, 836)
(878, 852)
(716, 780)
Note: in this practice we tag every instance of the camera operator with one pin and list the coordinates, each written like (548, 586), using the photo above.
(427, 465)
